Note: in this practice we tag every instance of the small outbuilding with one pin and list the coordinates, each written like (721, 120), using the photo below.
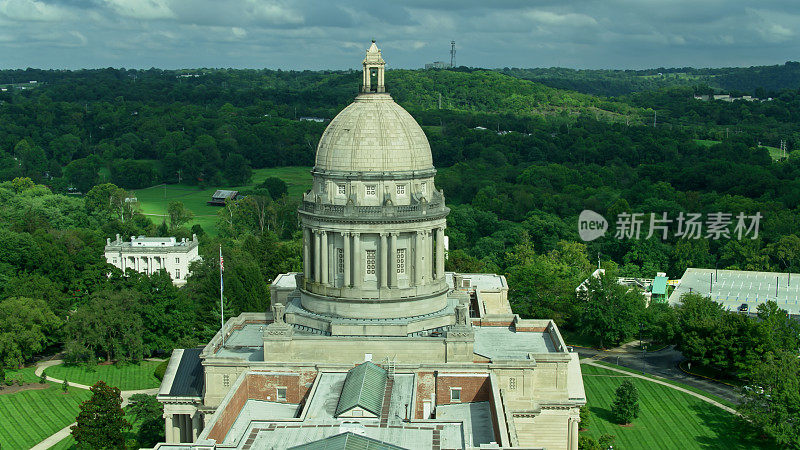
(221, 196)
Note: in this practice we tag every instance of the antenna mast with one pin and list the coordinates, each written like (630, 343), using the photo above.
(452, 54)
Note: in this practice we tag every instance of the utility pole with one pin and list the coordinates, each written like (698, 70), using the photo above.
(440, 100)
(655, 115)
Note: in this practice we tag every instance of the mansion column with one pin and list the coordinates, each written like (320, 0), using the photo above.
(324, 257)
(358, 271)
(418, 260)
(347, 280)
(383, 271)
(316, 256)
(306, 254)
(393, 262)
(196, 424)
(439, 253)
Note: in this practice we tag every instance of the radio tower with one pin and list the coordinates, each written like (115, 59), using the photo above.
(452, 54)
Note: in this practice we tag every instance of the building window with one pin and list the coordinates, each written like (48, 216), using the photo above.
(115, 261)
(512, 384)
(177, 274)
(177, 260)
(401, 260)
(340, 189)
(370, 262)
(226, 380)
(281, 394)
(370, 190)
(401, 189)
(455, 395)
(339, 260)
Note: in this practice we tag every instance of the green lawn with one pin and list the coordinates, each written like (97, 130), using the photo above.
(126, 377)
(30, 416)
(667, 419)
(155, 199)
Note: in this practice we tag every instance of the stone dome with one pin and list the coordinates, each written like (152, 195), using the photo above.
(373, 134)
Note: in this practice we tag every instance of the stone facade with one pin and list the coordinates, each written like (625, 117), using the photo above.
(151, 254)
(374, 288)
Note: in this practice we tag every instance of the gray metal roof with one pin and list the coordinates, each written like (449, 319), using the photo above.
(364, 387)
(347, 441)
(223, 193)
(188, 381)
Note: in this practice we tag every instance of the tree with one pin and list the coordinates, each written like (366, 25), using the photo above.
(608, 311)
(63, 148)
(109, 324)
(625, 407)
(82, 174)
(147, 410)
(65, 386)
(275, 186)
(772, 400)
(27, 326)
(32, 159)
(237, 169)
(101, 421)
(178, 215)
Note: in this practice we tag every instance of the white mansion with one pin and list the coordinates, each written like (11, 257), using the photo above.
(151, 254)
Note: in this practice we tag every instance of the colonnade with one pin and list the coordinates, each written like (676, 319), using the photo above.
(182, 427)
(318, 251)
(150, 263)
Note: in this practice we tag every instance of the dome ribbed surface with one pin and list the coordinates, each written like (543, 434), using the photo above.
(373, 134)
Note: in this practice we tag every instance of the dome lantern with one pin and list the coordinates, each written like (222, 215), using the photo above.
(373, 67)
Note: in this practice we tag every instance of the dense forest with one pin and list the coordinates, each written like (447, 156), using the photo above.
(518, 161)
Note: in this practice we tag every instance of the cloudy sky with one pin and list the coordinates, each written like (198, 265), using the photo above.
(318, 34)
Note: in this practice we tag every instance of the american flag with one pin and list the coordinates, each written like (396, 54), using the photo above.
(221, 263)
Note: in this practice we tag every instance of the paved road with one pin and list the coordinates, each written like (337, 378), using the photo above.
(61, 434)
(663, 363)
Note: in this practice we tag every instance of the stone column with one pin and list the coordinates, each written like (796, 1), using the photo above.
(358, 271)
(324, 257)
(418, 261)
(168, 430)
(393, 262)
(383, 271)
(306, 254)
(347, 279)
(573, 433)
(439, 253)
(195, 426)
(316, 256)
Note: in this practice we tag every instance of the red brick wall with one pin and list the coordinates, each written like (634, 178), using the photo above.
(473, 388)
(531, 329)
(229, 414)
(425, 386)
(264, 387)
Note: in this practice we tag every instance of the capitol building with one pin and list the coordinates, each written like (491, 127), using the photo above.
(374, 344)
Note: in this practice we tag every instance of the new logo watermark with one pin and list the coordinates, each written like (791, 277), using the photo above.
(591, 225)
(715, 225)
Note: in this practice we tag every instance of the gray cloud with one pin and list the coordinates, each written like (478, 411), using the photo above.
(315, 34)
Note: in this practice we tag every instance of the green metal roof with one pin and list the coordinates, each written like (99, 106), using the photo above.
(364, 387)
(660, 285)
(347, 441)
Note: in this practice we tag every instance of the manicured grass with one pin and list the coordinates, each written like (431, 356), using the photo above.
(667, 418)
(674, 383)
(155, 199)
(30, 416)
(126, 377)
(706, 142)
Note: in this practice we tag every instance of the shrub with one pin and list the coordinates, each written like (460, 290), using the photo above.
(160, 370)
(65, 386)
(42, 378)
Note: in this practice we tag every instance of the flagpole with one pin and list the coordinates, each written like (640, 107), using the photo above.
(221, 303)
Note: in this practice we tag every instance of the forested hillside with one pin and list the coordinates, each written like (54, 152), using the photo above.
(760, 81)
(517, 160)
